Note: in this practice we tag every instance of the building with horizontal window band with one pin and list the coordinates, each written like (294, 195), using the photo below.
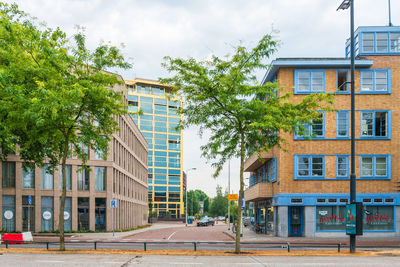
(303, 192)
(160, 125)
(30, 199)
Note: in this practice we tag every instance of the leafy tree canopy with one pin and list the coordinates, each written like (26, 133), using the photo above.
(222, 95)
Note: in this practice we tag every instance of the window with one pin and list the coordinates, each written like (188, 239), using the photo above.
(100, 178)
(8, 174)
(309, 167)
(331, 218)
(8, 213)
(83, 179)
(376, 81)
(342, 166)
(47, 214)
(307, 81)
(315, 129)
(395, 42)
(342, 80)
(375, 166)
(28, 177)
(67, 214)
(47, 178)
(342, 124)
(67, 176)
(374, 124)
(382, 42)
(368, 42)
(378, 218)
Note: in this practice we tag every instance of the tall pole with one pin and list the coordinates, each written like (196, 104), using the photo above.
(390, 16)
(186, 200)
(353, 164)
(229, 191)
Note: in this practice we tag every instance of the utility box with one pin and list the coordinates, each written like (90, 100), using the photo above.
(354, 218)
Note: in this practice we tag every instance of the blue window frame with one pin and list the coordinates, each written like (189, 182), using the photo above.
(342, 166)
(309, 81)
(274, 171)
(376, 81)
(342, 124)
(315, 129)
(375, 124)
(342, 79)
(309, 166)
(380, 42)
(375, 167)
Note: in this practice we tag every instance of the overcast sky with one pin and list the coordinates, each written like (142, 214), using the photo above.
(152, 29)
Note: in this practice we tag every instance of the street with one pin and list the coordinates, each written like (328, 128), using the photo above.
(126, 260)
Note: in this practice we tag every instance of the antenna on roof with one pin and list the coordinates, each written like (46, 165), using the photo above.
(390, 17)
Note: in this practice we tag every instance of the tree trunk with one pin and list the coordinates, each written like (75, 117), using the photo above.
(239, 211)
(64, 192)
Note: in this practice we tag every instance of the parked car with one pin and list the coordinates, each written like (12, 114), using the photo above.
(205, 221)
(221, 218)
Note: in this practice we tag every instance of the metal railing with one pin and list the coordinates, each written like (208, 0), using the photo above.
(144, 244)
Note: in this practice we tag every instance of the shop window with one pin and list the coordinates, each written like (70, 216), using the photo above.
(8, 210)
(331, 218)
(378, 218)
(47, 214)
(67, 214)
(83, 213)
(100, 214)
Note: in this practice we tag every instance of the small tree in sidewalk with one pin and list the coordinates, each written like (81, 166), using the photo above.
(243, 117)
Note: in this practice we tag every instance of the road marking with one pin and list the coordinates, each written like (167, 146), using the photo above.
(171, 235)
(48, 261)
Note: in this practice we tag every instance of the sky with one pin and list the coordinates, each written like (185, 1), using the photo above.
(152, 29)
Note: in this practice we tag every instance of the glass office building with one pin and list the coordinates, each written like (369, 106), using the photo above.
(159, 124)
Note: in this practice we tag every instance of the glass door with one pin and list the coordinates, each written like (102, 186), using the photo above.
(295, 221)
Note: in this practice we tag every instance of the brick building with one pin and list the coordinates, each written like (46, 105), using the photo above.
(30, 200)
(303, 192)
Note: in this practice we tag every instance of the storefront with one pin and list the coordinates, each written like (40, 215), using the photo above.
(323, 215)
(263, 213)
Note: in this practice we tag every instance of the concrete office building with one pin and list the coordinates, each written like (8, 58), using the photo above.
(160, 126)
(30, 200)
(303, 192)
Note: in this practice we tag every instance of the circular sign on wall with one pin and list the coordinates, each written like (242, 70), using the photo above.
(47, 215)
(8, 214)
(66, 215)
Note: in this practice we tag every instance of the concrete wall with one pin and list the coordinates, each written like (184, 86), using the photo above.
(282, 226)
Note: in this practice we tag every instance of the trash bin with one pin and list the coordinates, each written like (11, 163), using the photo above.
(190, 221)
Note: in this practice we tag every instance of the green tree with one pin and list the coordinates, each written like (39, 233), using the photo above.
(55, 94)
(219, 204)
(243, 117)
(201, 196)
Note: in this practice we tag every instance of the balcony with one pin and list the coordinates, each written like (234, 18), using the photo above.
(258, 191)
(253, 163)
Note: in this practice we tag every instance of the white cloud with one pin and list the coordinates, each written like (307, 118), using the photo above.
(153, 29)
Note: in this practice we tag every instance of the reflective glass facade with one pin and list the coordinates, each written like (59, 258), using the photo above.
(160, 125)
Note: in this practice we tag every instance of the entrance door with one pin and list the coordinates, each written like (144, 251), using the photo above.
(295, 221)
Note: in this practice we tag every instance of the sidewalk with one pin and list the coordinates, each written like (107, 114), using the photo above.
(251, 236)
(110, 236)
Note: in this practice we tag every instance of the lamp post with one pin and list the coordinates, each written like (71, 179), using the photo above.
(191, 169)
(229, 191)
(345, 5)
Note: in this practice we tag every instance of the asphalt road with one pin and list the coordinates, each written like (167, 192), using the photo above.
(157, 260)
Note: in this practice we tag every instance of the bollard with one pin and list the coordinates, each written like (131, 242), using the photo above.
(6, 243)
(338, 247)
(288, 247)
(95, 245)
(144, 245)
(47, 245)
(195, 246)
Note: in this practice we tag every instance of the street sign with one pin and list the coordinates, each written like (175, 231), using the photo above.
(29, 200)
(243, 201)
(232, 197)
(113, 203)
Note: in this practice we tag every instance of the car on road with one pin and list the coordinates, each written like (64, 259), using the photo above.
(221, 218)
(205, 221)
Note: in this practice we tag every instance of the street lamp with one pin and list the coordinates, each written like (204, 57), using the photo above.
(191, 169)
(345, 5)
